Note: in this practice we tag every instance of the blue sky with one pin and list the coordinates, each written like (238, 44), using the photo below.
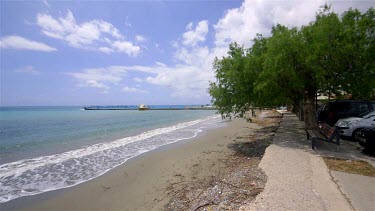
(130, 52)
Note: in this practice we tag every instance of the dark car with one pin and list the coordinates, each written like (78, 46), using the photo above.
(366, 139)
(338, 109)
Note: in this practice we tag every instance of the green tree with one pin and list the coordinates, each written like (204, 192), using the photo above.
(359, 48)
(324, 40)
(233, 91)
(331, 54)
(281, 80)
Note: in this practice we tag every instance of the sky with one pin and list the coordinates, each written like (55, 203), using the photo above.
(131, 52)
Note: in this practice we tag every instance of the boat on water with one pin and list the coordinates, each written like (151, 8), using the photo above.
(143, 107)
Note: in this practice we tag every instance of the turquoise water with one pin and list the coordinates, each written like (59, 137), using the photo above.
(47, 148)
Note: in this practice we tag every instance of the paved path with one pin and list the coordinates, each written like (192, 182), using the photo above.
(298, 178)
(348, 150)
(358, 188)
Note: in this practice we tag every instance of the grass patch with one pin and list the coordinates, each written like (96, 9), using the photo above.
(350, 166)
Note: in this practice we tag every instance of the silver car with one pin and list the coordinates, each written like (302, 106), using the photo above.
(350, 127)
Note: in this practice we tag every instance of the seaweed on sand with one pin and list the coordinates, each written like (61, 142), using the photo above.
(238, 183)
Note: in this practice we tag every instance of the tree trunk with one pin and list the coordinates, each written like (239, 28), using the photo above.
(301, 111)
(294, 108)
(297, 108)
(309, 108)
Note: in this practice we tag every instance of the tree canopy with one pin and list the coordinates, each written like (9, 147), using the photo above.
(331, 54)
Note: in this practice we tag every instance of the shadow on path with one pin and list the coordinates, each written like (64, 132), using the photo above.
(291, 134)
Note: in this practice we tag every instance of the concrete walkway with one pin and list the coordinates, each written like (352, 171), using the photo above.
(348, 150)
(298, 178)
(359, 189)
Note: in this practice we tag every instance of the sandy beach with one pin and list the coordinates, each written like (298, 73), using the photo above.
(151, 181)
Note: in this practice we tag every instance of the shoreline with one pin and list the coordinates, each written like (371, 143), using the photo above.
(18, 179)
(141, 182)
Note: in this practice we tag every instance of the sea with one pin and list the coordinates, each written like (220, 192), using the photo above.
(48, 148)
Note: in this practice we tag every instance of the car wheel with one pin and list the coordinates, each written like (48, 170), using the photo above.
(356, 133)
(369, 150)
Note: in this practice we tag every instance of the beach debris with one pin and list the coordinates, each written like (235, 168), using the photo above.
(106, 188)
(238, 182)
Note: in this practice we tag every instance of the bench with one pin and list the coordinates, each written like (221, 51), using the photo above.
(324, 133)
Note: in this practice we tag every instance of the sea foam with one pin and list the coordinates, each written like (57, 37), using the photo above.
(46, 173)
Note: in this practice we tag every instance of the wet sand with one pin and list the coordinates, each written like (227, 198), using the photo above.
(141, 183)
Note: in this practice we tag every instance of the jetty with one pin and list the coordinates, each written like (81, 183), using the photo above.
(143, 107)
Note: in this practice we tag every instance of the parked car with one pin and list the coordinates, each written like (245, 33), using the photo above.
(338, 109)
(351, 127)
(366, 139)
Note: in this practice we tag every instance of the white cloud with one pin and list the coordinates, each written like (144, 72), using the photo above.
(189, 26)
(87, 35)
(133, 90)
(28, 70)
(105, 50)
(94, 83)
(137, 79)
(77, 35)
(198, 56)
(140, 38)
(193, 36)
(188, 80)
(20, 43)
(184, 80)
(127, 23)
(240, 24)
(126, 47)
(189, 77)
(99, 77)
(175, 44)
(46, 3)
(258, 16)
(106, 77)
(160, 64)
